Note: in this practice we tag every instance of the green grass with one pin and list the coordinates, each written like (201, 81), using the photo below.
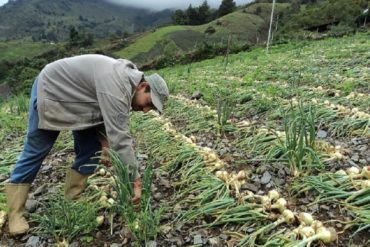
(14, 50)
(148, 41)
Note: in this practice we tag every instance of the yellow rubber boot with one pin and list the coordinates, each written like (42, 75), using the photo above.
(16, 197)
(75, 184)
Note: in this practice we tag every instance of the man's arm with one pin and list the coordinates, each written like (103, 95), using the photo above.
(115, 113)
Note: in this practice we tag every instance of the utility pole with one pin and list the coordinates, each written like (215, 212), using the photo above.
(271, 18)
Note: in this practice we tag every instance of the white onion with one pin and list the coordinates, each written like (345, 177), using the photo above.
(365, 184)
(305, 218)
(100, 220)
(280, 204)
(341, 172)
(241, 175)
(288, 216)
(366, 172)
(326, 235)
(306, 232)
(316, 224)
(353, 171)
(273, 194)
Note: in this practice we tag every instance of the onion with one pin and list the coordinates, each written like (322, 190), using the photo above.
(365, 184)
(218, 165)
(100, 220)
(326, 235)
(280, 204)
(218, 174)
(241, 175)
(102, 172)
(316, 224)
(341, 172)
(305, 218)
(111, 201)
(265, 200)
(366, 172)
(353, 171)
(273, 194)
(306, 232)
(337, 155)
(288, 216)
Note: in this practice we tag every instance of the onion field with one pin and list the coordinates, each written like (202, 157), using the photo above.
(253, 149)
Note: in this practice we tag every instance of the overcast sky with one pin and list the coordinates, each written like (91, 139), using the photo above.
(165, 4)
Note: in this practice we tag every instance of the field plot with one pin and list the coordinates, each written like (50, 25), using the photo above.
(253, 150)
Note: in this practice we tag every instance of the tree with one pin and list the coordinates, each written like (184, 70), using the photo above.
(192, 15)
(226, 7)
(204, 13)
(179, 17)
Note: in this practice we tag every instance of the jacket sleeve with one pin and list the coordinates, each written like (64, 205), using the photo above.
(115, 111)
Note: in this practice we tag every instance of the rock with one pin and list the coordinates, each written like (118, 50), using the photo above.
(196, 95)
(251, 187)
(31, 205)
(33, 241)
(250, 230)
(40, 190)
(321, 134)
(355, 157)
(157, 196)
(223, 236)
(115, 245)
(142, 157)
(363, 162)
(151, 244)
(99, 235)
(74, 244)
(266, 177)
(198, 239)
(46, 168)
(214, 242)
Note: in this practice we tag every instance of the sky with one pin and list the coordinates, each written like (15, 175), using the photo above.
(165, 4)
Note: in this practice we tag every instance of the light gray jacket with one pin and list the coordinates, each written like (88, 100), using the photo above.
(84, 91)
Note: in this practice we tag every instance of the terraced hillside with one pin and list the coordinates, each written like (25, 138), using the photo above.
(246, 26)
(275, 152)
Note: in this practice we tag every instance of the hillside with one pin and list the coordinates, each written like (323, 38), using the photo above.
(246, 26)
(51, 19)
(276, 141)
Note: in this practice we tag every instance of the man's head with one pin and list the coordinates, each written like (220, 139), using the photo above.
(151, 93)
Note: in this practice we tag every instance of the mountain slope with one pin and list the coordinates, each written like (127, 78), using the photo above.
(246, 26)
(51, 19)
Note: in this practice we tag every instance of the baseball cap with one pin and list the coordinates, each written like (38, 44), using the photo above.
(158, 90)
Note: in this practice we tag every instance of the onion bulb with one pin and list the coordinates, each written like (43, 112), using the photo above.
(353, 171)
(280, 204)
(100, 220)
(305, 218)
(306, 232)
(241, 175)
(341, 172)
(316, 224)
(288, 216)
(366, 172)
(265, 200)
(365, 184)
(326, 235)
(273, 194)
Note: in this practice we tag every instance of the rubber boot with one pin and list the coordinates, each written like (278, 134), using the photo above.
(16, 197)
(75, 184)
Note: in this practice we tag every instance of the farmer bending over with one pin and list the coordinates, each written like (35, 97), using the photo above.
(82, 94)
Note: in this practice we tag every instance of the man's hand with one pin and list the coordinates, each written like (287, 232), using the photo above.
(137, 191)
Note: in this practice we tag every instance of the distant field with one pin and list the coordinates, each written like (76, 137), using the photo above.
(13, 50)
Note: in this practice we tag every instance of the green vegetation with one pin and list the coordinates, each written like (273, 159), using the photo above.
(65, 220)
(15, 50)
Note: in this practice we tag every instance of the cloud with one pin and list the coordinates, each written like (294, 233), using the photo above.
(171, 4)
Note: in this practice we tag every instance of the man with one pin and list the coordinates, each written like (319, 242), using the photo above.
(82, 94)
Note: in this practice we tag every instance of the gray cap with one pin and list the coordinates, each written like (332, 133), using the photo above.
(158, 90)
